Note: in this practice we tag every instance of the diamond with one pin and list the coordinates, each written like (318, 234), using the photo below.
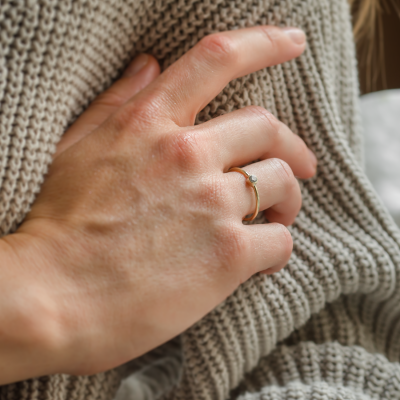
(253, 179)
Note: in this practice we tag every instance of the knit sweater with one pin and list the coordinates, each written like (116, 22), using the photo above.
(325, 327)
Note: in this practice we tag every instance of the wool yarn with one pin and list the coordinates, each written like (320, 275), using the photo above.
(326, 326)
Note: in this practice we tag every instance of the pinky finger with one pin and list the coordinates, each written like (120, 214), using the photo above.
(271, 248)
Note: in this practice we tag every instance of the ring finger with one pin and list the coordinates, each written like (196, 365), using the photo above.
(278, 189)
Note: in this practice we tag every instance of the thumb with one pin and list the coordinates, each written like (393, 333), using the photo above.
(139, 73)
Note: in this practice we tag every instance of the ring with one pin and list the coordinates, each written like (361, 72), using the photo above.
(252, 180)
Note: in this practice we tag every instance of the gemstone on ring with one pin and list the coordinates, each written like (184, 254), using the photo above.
(253, 179)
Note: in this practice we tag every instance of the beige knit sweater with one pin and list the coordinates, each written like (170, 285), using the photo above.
(325, 327)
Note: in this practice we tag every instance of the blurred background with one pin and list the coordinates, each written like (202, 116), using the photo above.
(378, 53)
(378, 45)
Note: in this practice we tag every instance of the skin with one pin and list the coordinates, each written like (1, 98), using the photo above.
(137, 232)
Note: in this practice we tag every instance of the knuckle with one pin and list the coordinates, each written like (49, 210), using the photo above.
(283, 247)
(233, 244)
(134, 117)
(125, 128)
(266, 116)
(272, 34)
(272, 124)
(220, 47)
(285, 175)
(185, 149)
(286, 242)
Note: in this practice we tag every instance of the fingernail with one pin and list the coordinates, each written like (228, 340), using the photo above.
(297, 35)
(136, 65)
(313, 159)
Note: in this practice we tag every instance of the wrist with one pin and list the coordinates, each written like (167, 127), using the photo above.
(31, 329)
(58, 259)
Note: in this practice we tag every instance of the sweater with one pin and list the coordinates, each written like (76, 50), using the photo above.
(326, 326)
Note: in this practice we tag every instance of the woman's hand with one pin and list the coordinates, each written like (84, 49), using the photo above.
(137, 232)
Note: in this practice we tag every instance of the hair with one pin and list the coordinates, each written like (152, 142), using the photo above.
(368, 34)
(366, 16)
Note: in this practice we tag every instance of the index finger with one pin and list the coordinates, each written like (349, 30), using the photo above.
(196, 78)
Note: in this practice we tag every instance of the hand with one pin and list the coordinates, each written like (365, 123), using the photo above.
(137, 232)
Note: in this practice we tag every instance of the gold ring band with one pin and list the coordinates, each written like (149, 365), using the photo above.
(252, 180)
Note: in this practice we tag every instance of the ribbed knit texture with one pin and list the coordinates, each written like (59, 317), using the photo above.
(325, 327)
